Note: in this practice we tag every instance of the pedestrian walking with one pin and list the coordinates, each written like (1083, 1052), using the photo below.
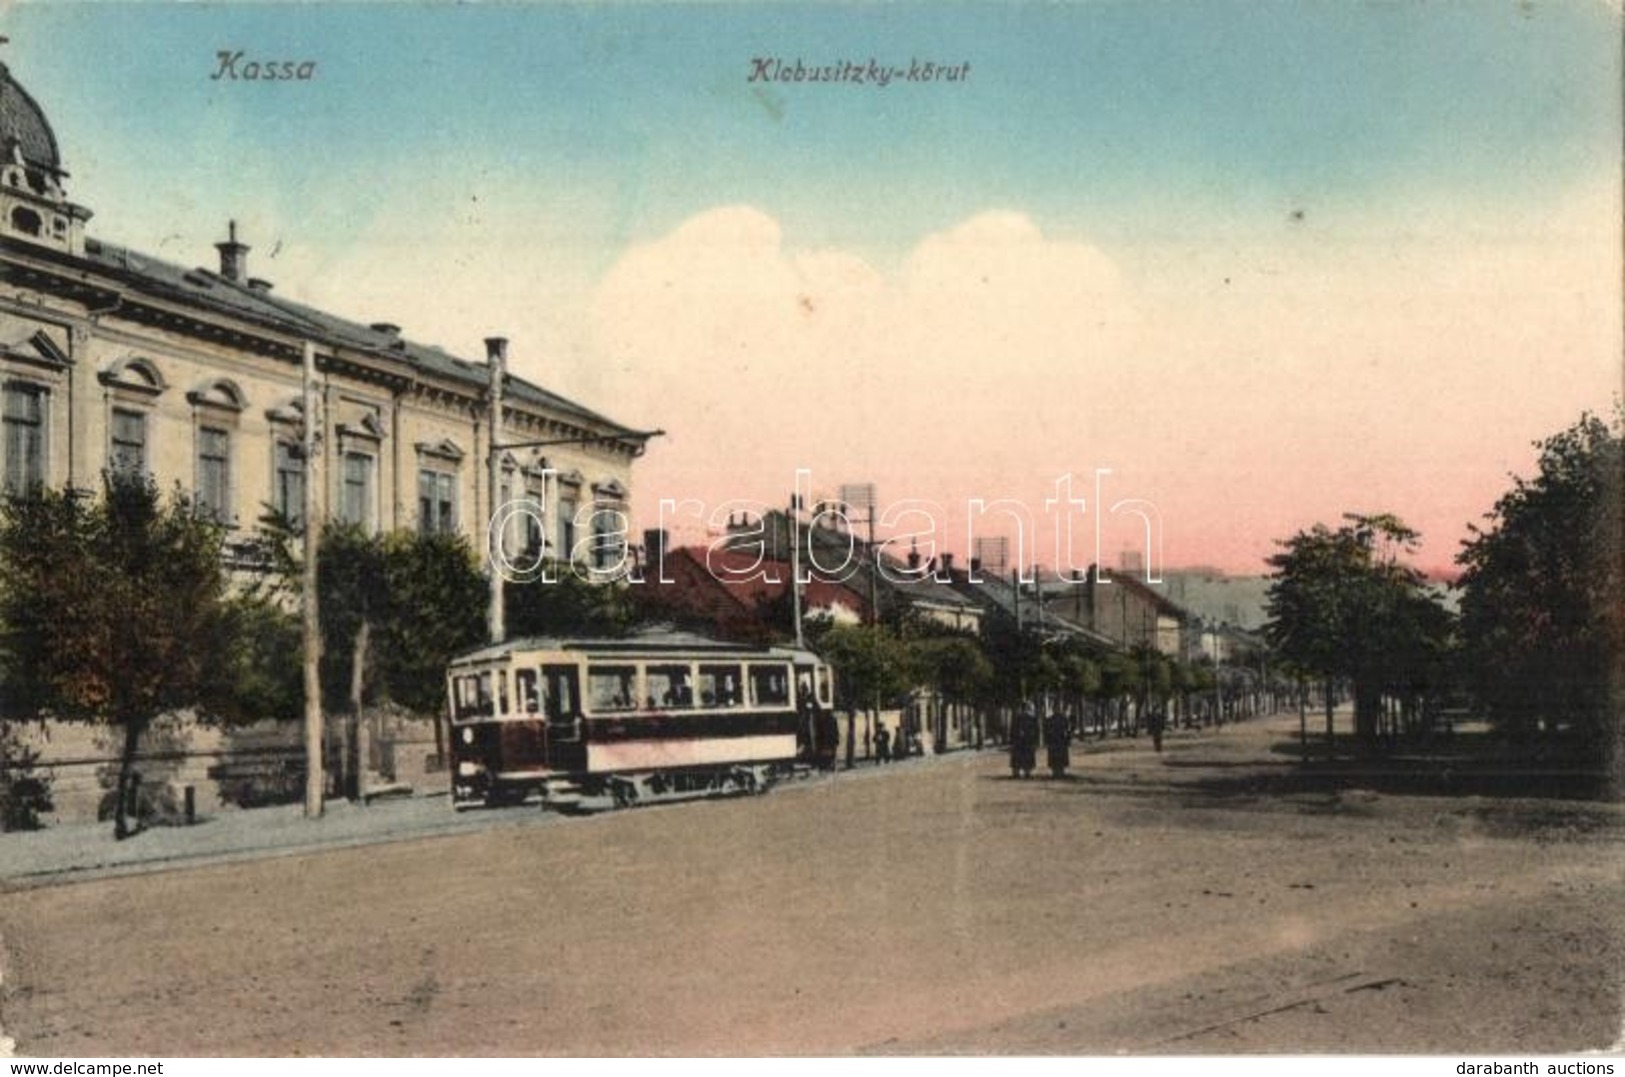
(882, 746)
(1158, 723)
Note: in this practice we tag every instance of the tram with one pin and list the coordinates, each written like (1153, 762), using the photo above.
(586, 724)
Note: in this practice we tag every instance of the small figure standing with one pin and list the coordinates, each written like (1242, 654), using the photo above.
(1158, 722)
(882, 745)
(1024, 744)
(1057, 743)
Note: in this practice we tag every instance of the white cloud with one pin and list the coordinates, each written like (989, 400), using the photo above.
(1246, 391)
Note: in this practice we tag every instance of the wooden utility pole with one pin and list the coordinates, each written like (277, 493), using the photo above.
(496, 350)
(315, 740)
(795, 567)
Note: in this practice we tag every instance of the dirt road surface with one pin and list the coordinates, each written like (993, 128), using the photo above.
(1149, 904)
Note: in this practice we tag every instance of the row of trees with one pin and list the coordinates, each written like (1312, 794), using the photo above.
(117, 609)
(988, 676)
(1539, 642)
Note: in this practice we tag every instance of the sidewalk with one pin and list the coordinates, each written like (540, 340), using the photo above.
(74, 851)
(88, 850)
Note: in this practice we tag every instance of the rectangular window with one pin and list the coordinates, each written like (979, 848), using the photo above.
(532, 525)
(567, 529)
(288, 482)
(720, 686)
(25, 437)
(559, 687)
(530, 696)
(214, 474)
(128, 452)
(606, 538)
(473, 696)
(355, 502)
(669, 686)
(437, 502)
(770, 685)
(612, 688)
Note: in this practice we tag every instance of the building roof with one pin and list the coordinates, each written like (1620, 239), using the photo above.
(209, 290)
(23, 124)
(1148, 593)
(997, 593)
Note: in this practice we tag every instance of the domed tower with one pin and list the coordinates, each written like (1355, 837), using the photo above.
(33, 204)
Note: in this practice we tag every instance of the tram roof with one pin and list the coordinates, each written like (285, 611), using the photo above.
(656, 641)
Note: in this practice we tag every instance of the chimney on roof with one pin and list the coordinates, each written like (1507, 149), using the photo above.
(388, 329)
(259, 284)
(948, 565)
(976, 566)
(233, 256)
(914, 555)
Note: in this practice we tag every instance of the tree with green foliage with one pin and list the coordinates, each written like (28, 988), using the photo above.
(435, 602)
(394, 608)
(1542, 612)
(955, 667)
(871, 665)
(25, 793)
(1342, 605)
(1080, 677)
(1122, 678)
(114, 610)
(561, 603)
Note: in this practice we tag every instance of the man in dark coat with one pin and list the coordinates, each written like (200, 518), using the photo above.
(1057, 743)
(1158, 722)
(1023, 744)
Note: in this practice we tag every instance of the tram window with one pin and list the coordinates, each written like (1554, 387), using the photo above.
(474, 695)
(612, 688)
(530, 700)
(560, 682)
(668, 686)
(769, 685)
(502, 691)
(826, 693)
(720, 686)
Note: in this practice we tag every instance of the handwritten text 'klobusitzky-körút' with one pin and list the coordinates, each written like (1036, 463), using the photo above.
(869, 72)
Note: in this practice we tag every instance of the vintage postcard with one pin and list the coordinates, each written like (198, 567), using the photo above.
(805, 529)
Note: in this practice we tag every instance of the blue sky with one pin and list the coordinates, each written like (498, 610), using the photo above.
(1113, 116)
(1373, 229)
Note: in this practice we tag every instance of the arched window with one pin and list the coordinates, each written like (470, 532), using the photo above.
(133, 384)
(26, 221)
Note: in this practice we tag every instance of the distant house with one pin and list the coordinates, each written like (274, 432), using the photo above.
(1020, 605)
(1125, 610)
(735, 595)
(900, 588)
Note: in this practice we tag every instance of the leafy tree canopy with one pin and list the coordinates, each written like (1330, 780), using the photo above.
(115, 610)
(1543, 590)
(1342, 604)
